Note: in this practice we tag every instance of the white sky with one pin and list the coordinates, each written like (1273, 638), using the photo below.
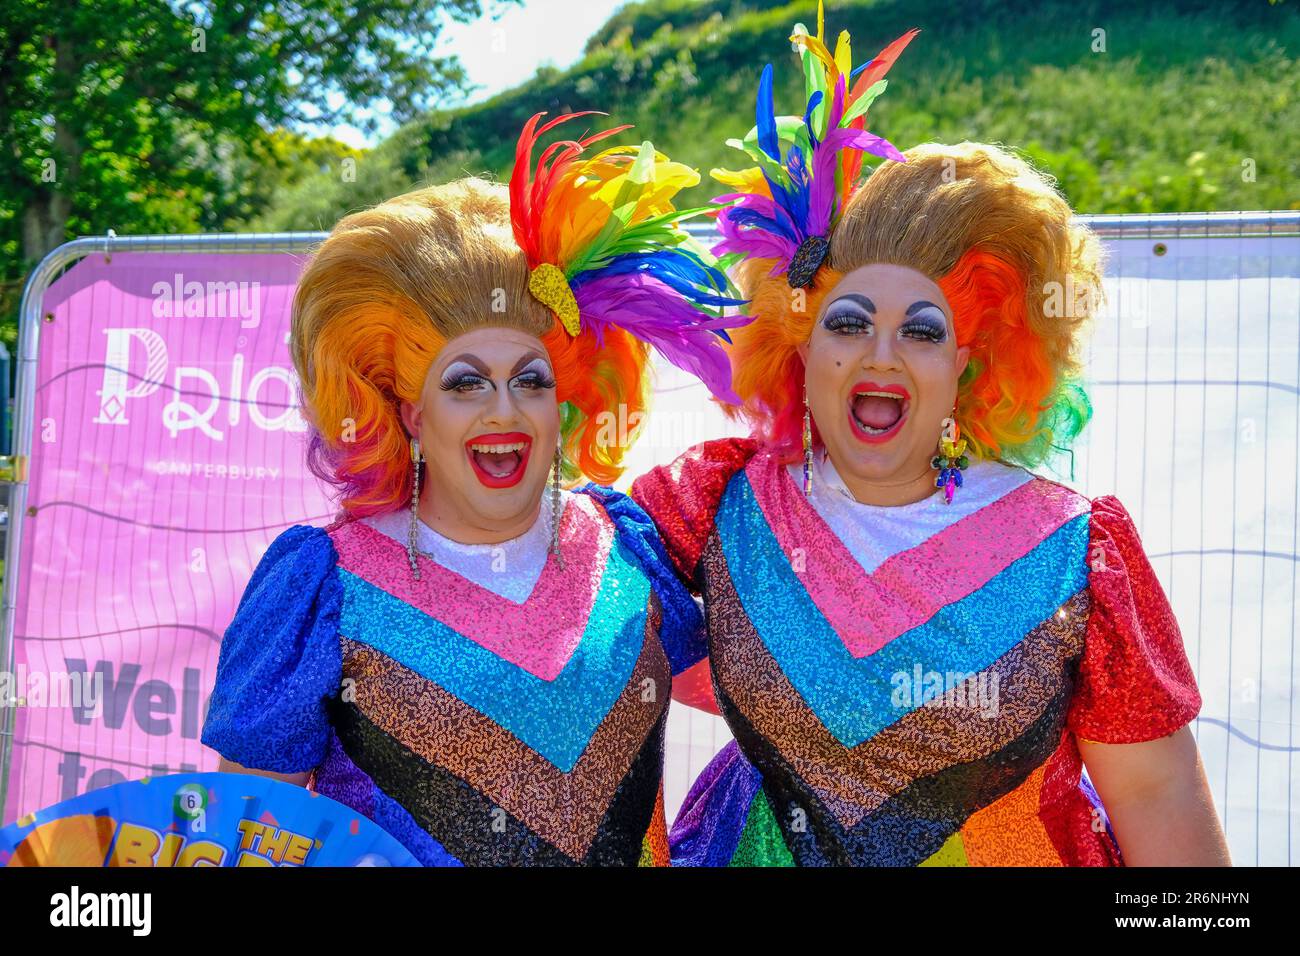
(502, 53)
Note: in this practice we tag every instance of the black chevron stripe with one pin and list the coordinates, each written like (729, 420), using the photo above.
(471, 826)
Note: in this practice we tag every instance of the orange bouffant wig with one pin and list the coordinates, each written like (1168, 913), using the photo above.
(388, 288)
(1021, 274)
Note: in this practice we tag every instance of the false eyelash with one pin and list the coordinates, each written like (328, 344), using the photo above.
(842, 320)
(537, 380)
(451, 384)
(931, 332)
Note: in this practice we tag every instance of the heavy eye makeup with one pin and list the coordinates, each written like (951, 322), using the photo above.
(461, 376)
(925, 321)
(467, 378)
(849, 315)
(535, 375)
(854, 314)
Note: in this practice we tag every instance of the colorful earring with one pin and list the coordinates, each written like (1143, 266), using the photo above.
(555, 504)
(951, 459)
(807, 444)
(415, 498)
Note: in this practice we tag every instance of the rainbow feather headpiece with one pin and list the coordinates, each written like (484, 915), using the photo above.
(605, 249)
(786, 206)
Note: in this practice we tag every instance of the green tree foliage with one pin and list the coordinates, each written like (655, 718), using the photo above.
(156, 116)
(1168, 105)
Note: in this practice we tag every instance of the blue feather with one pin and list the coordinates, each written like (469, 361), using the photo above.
(765, 116)
(756, 220)
(807, 116)
(801, 191)
(681, 272)
(787, 203)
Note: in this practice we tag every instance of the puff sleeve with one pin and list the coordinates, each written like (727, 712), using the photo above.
(280, 659)
(1135, 681)
(682, 498)
(682, 628)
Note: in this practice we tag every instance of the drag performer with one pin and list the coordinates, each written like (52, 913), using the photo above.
(477, 663)
(916, 642)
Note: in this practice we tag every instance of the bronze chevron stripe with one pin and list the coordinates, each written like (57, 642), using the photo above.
(923, 741)
(479, 832)
(563, 809)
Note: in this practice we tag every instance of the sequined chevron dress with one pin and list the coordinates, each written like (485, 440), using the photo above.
(907, 685)
(479, 728)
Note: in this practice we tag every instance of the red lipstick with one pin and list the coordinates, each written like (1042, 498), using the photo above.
(499, 477)
(860, 431)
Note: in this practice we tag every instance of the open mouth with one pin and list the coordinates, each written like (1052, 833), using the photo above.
(499, 460)
(877, 412)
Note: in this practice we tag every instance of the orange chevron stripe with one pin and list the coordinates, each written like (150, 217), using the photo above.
(654, 845)
(1008, 831)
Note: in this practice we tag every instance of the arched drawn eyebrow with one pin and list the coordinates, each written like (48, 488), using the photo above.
(472, 360)
(861, 300)
(916, 307)
(481, 367)
(526, 360)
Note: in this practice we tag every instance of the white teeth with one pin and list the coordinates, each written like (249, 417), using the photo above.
(499, 449)
(868, 428)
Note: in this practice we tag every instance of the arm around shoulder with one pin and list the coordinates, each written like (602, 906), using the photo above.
(682, 497)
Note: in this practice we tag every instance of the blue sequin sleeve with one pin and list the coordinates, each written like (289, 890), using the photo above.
(682, 633)
(280, 659)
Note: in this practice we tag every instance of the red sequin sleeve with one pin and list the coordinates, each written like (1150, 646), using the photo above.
(1135, 681)
(682, 497)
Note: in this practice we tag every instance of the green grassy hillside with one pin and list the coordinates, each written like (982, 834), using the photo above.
(1191, 106)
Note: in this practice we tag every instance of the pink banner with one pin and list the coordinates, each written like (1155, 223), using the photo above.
(166, 455)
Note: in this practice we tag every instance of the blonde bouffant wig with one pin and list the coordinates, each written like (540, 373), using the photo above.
(388, 288)
(1021, 274)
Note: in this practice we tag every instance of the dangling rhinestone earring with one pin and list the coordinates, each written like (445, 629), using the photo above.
(555, 504)
(951, 460)
(807, 444)
(415, 498)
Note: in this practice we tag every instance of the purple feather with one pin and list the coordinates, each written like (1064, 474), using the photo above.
(738, 236)
(763, 206)
(758, 243)
(650, 310)
(822, 199)
(837, 107)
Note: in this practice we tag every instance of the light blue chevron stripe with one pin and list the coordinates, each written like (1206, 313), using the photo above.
(853, 697)
(556, 718)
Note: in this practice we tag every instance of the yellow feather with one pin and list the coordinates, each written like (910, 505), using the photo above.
(582, 200)
(843, 60)
(743, 181)
(817, 48)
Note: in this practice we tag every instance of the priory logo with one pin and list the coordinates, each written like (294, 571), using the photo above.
(132, 910)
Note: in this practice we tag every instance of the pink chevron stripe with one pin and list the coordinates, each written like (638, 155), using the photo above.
(538, 636)
(870, 610)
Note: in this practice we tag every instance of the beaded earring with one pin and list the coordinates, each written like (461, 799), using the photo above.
(415, 499)
(951, 460)
(555, 504)
(807, 444)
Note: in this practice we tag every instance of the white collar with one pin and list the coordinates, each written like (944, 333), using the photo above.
(992, 479)
(828, 476)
